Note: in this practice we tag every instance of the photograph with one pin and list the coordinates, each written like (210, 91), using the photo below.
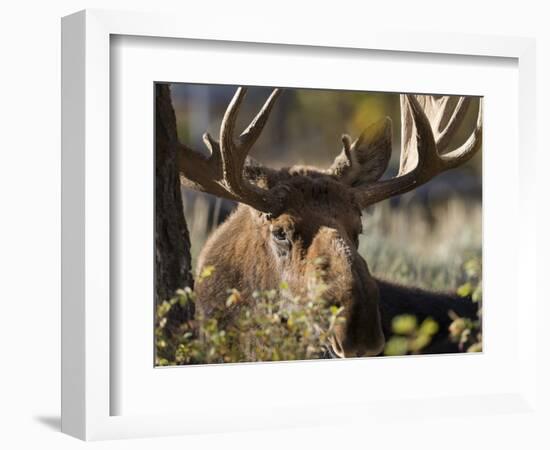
(305, 224)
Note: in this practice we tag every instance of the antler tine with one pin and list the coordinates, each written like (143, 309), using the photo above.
(346, 141)
(455, 120)
(221, 173)
(422, 145)
(229, 119)
(249, 136)
(426, 147)
(463, 153)
(212, 144)
(233, 154)
(252, 133)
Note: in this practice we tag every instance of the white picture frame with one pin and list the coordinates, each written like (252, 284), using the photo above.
(87, 380)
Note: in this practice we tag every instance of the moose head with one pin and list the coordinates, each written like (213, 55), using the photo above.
(289, 218)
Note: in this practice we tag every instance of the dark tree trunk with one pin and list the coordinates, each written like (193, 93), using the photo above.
(172, 246)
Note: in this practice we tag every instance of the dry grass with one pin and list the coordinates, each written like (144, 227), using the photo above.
(419, 245)
(423, 246)
(197, 208)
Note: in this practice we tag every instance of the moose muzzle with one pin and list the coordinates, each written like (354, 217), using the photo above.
(351, 286)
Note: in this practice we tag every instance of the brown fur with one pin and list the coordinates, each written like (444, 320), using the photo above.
(321, 222)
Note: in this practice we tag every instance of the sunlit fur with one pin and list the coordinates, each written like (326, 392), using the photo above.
(321, 223)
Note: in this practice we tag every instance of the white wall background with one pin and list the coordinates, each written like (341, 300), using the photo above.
(30, 202)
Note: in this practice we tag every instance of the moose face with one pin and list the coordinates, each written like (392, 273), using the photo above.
(319, 236)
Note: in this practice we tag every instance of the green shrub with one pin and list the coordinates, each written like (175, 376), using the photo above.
(409, 337)
(465, 332)
(280, 327)
(284, 327)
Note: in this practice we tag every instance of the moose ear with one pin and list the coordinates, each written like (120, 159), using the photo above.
(365, 160)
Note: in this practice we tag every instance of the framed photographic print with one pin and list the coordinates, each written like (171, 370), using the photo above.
(297, 230)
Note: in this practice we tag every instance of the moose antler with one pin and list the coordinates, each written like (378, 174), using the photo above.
(428, 126)
(221, 173)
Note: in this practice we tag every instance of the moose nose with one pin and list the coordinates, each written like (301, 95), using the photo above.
(361, 333)
(349, 285)
(374, 348)
(346, 349)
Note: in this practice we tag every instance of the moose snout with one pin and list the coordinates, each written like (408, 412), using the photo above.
(351, 286)
(359, 339)
(360, 333)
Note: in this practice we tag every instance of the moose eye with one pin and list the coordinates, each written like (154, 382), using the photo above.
(279, 234)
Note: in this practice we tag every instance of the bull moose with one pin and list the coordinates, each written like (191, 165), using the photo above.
(288, 218)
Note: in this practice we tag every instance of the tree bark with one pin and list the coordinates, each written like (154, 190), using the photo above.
(172, 245)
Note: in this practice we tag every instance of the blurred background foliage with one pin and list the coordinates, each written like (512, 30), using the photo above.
(426, 238)
(437, 227)
(304, 127)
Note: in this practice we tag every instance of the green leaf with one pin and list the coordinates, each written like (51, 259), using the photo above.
(404, 324)
(477, 294)
(457, 327)
(465, 290)
(429, 327)
(472, 267)
(421, 341)
(396, 346)
(475, 348)
(206, 272)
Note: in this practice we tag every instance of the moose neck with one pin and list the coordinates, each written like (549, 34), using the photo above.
(238, 251)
